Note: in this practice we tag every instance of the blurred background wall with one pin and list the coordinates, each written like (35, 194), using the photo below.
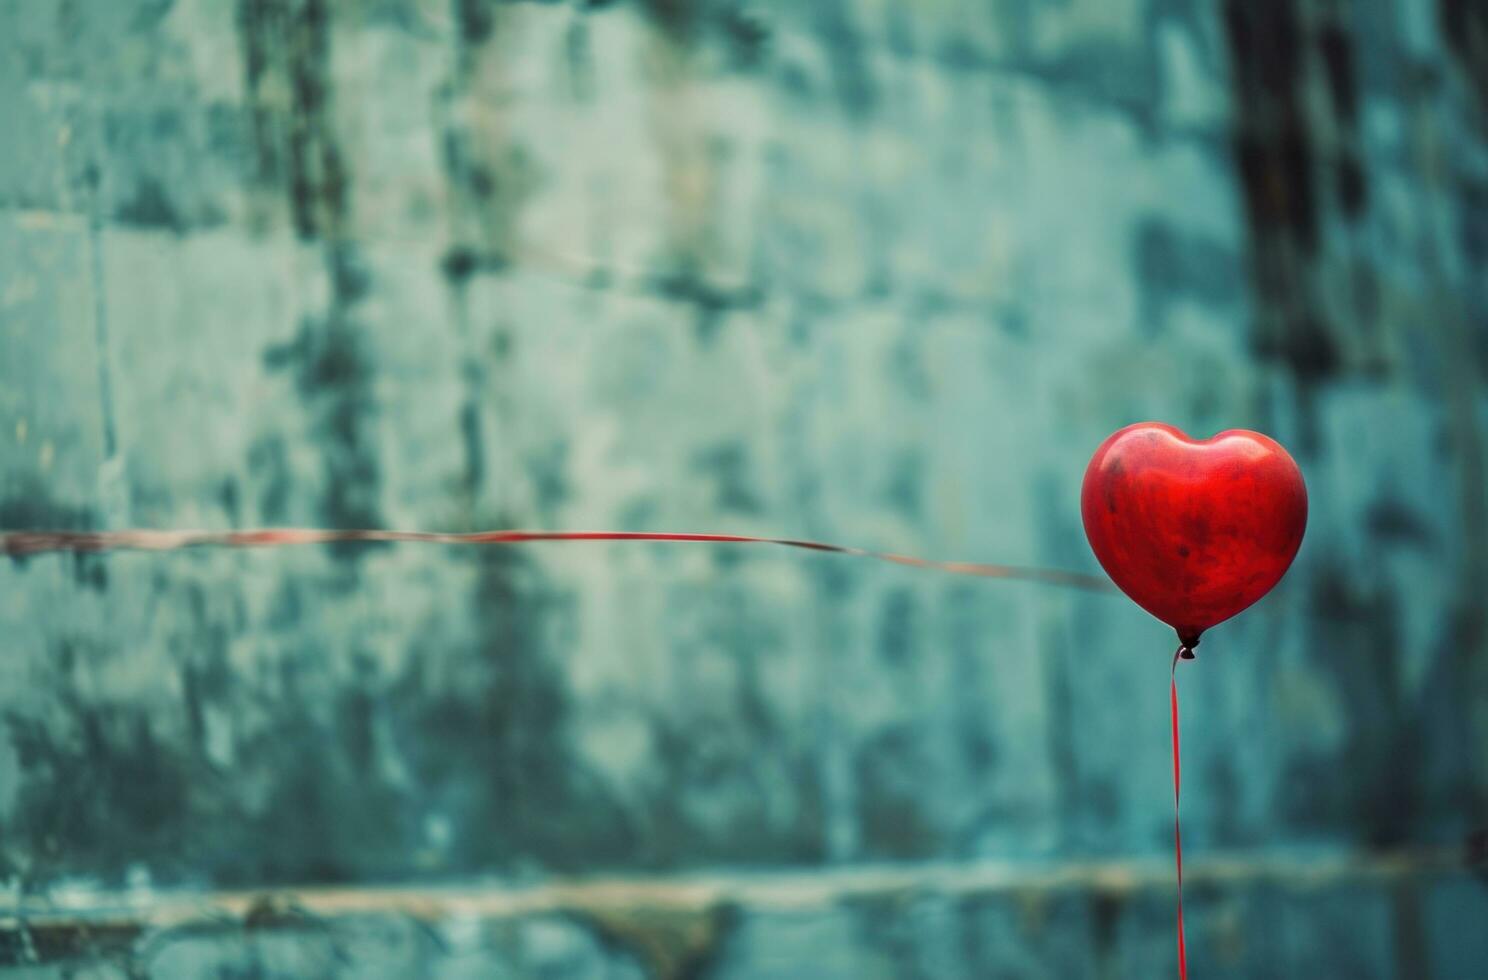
(867, 271)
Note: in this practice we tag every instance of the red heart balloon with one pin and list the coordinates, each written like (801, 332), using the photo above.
(1193, 531)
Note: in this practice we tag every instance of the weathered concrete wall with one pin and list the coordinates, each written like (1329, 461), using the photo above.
(877, 272)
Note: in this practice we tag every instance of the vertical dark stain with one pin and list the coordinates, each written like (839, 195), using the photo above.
(964, 643)
(1276, 175)
(91, 571)
(228, 497)
(1464, 27)
(1271, 142)
(1282, 166)
(851, 69)
(458, 265)
(286, 44)
(895, 820)
(151, 207)
(488, 187)
(1105, 920)
(355, 717)
(746, 36)
(1475, 854)
(268, 464)
(579, 59)
(1337, 52)
(261, 25)
(191, 694)
(475, 19)
(317, 183)
(1445, 723)
(470, 440)
(1353, 190)
(1473, 234)
(472, 187)
(333, 372)
(547, 467)
(206, 675)
(898, 627)
(501, 710)
(1307, 346)
(1376, 782)
(1336, 49)
(678, 18)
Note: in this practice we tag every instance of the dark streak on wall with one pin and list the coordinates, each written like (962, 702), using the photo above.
(286, 46)
(332, 371)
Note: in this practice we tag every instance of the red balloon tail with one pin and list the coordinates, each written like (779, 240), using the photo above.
(1177, 829)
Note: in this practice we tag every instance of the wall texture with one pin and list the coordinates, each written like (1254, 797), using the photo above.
(862, 270)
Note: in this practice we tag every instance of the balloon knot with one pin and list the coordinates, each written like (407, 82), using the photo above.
(1186, 653)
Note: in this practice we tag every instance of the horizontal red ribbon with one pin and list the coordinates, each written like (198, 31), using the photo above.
(23, 543)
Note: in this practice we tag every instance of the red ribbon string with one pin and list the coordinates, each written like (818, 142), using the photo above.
(1177, 830)
(22, 543)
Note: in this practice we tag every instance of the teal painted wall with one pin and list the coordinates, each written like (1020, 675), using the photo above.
(875, 272)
